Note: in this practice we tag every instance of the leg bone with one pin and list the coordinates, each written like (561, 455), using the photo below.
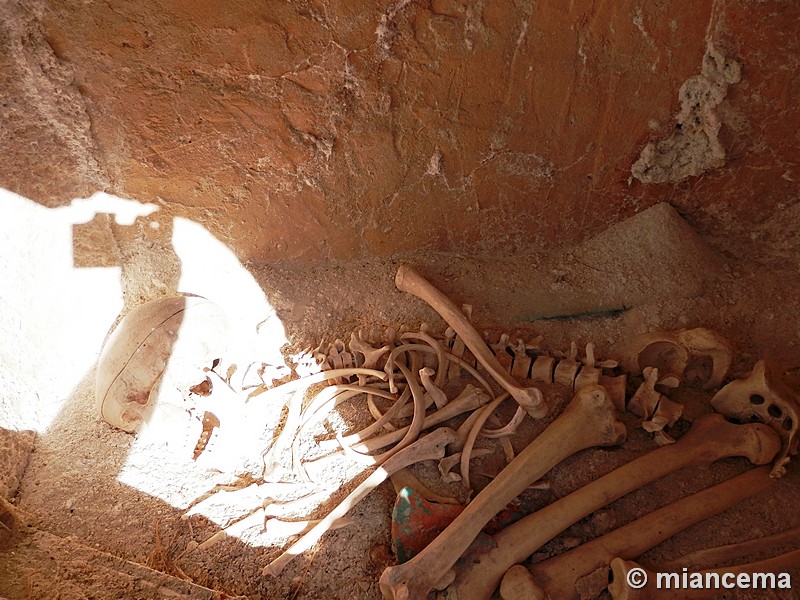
(710, 438)
(557, 576)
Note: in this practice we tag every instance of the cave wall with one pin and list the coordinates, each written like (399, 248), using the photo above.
(328, 129)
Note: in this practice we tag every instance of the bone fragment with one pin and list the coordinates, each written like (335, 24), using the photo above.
(662, 438)
(371, 354)
(417, 421)
(405, 478)
(441, 361)
(645, 400)
(543, 369)
(509, 428)
(439, 397)
(430, 447)
(521, 369)
(557, 576)
(448, 462)
(408, 280)
(588, 420)
(567, 368)
(466, 451)
(667, 414)
(770, 567)
(519, 584)
(615, 386)
(710, 438)
(766, 396)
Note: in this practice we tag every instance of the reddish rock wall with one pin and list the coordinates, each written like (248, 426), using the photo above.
(337, 130)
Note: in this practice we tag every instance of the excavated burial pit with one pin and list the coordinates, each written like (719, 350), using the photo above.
(90, 491)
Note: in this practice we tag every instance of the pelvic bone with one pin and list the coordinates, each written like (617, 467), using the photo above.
(589, 420)
(764, 396)
(710, 438)
(698, 355)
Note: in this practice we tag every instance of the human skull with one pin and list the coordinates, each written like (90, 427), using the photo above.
(173, 336)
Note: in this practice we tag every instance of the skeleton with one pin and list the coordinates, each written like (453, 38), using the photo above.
(770, 568)
(589, 420)
(764, 396)
(557, 577)
(408, 280)
(430, 447)
(709, 439)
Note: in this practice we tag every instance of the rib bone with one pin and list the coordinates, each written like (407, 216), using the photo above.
(557, 576)
(710, 438)
(589, 420)
(620, 590)
(408, 280)
(430, 447)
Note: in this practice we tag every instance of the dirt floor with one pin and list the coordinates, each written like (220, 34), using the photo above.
(125, 495)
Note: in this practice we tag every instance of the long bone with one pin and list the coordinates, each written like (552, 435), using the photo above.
(710, 438)
(731, 553)
(431, 447)
(768, 571)
(588, 420)
(557, 576)
(408, 280)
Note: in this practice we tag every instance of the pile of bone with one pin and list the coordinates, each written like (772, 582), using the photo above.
(757, 419)
(403, 377)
